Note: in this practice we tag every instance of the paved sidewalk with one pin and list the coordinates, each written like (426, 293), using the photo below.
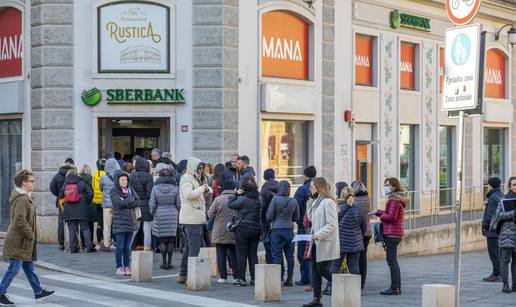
(415, 272)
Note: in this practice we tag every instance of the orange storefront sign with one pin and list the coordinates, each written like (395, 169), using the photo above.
(407, 66)
(361, 152)
(441, 69)
(494, 75)
(363, 60)
(284, 46)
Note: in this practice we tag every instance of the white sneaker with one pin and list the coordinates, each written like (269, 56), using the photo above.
(222, 281)
(120, 271)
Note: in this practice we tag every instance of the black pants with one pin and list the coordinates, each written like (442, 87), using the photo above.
(508, 256)
(60, 227)
(100, 223)
(494, 254)
(391, 248)
(73, 228)
(246, 251)
(362, 262)
(193, 241)
(319, 270)
(226, 253)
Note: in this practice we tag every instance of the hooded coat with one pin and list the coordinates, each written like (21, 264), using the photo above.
(393, 215)
(504, 222)
(21, 239)
(269, 189)
(123, 206)
(79, 210)
(58, 180)
(142, 182)
(106, 181)
(193, 202)
(164, 205)
(283, 210)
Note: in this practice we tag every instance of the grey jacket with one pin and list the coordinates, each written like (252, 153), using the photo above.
(283, 210)
(221, 215)
(365, 203)
(504, 221)
(106, 182)
(164, 205)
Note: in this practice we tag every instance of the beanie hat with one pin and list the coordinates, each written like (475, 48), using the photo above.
(70, 160)
(494, 182)
(310, 171)
(269, 174)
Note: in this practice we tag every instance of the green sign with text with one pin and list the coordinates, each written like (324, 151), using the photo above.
(133, 96)
(398, 19)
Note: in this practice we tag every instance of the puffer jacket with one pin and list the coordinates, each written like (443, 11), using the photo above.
(142, 182)
(248, 208)
(393, 215)
(97, 192)
(283, 211)
(106, 182)
(221, 214)
(58, 180)
(123, 206)
(79, 210)
(352, 228)
(193, 202)
(493, 199)
(269, 189)
(164, 205)
(504, 222)
(364, 203)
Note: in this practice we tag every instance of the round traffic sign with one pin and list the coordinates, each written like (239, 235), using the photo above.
(462, 12)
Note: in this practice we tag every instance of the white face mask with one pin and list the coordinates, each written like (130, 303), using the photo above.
(386, 191)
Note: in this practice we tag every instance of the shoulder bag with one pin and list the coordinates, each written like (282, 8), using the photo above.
(266, 237)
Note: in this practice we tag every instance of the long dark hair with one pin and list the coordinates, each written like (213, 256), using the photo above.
(218, 172)
(249, 185)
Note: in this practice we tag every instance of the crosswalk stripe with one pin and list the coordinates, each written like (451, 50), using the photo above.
(96, 299)
(21, 301)
(147, 292)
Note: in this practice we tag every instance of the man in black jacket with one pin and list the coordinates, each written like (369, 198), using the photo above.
(494, 195)
(269, 189)
(55, 187)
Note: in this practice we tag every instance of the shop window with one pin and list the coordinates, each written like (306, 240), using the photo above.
(285, 149)
(407, 157)
(409, 66)
(10, 162)
(494, 153)
(441, 69)
(494, 75)
(285, 46)
(365, 60)
(445, 166)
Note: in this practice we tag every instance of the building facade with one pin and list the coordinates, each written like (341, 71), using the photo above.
(352, 87)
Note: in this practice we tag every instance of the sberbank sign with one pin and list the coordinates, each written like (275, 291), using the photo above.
(133, 96)
(398, 19)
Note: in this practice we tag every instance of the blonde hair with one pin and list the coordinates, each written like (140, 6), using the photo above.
(209, 168)
(347, 195)
(323, 187)
(85, 169)
(72, 172)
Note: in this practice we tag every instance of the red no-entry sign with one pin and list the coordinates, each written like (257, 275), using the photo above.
(461, 12)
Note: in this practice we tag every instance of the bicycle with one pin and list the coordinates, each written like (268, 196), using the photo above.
(457, 3)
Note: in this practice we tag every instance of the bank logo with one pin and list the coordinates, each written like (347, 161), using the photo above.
(395, 18)
(461, 49)
(92, 97)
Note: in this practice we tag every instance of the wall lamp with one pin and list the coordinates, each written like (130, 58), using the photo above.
(511, 34)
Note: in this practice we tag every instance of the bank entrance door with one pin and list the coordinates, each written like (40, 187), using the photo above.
(133, 136)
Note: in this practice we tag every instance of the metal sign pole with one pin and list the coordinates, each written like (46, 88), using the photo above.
(458, 208)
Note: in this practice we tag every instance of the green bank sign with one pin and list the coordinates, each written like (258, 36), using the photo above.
(398, 19)
(133, 96)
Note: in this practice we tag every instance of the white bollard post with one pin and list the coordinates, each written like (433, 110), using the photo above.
(345, 290)
(438, 295)
(267, 282)
(210, 252)
(141, 266)
(199, 277)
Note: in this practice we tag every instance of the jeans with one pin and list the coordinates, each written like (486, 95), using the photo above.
(60, 227)
(508, 254)
(391, 248)
(107, 217)
(362, 262)
(352, 260)
(304, 265)
(73, 227)
(246, 251)
(28, 267)
(226, 253)
(281, 242)
(319, 270)
(147, 235)
(193, 241)
(494, 254)
(123, 249)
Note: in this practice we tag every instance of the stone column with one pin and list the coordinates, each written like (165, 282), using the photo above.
(513, 125)
(215, 79)
(328, 90)
(51, 101)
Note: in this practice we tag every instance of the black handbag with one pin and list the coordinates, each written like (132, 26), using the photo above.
(233, 224)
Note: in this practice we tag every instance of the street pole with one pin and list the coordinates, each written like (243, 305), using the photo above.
(458, 208)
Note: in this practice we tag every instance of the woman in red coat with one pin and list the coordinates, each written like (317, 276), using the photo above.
(392, 222)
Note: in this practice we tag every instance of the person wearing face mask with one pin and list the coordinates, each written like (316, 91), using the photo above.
(393, 229)
(192, 216)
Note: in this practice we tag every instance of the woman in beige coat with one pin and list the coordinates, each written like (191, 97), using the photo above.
(325, 235)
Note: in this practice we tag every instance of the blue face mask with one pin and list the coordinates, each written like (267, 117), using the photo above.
(386, 191)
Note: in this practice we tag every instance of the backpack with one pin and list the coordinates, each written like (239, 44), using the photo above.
(71, 193)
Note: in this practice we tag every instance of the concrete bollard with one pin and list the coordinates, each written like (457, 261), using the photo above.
(346, 290)
(141, 266)
(267, 283)
(210, 252)
(198, 278)
(438, 295)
